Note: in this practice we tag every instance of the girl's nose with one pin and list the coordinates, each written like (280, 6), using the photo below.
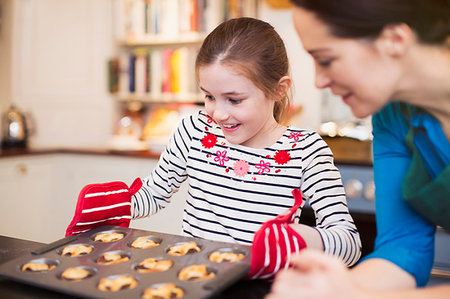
(321, 79)
(220, 114)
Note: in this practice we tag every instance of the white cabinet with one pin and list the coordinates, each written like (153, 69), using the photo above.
(39, 192)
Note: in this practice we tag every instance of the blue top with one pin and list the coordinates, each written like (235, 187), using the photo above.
(404, 237)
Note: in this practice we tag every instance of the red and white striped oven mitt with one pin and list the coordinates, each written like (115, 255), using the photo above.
(275, 242)
(103, 204)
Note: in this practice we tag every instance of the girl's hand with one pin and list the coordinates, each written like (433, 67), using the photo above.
(314, 274)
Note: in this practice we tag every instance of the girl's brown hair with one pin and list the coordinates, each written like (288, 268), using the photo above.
(254, 49)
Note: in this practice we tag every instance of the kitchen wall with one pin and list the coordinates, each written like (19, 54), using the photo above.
(53, 64)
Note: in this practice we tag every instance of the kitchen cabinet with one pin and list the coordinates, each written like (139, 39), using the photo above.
(39, 192)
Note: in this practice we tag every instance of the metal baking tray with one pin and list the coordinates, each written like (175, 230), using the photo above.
(226, 273)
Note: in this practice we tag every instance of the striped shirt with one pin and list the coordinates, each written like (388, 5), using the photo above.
(233, 189)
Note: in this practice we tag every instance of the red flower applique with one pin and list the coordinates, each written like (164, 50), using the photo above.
(209, 140)
(282, 157)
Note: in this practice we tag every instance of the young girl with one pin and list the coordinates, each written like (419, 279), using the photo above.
(241, 162)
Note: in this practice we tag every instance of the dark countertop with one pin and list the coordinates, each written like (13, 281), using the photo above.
(11, 248)
(5, 153)
(345, 151)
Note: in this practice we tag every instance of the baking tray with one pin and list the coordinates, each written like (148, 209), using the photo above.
(226, 273)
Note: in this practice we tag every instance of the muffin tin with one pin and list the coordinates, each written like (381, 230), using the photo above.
(226, 273)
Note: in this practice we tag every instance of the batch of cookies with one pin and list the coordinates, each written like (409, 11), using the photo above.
(202, 269)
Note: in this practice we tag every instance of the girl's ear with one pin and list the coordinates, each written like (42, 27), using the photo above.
(284, 84)
(395, 40)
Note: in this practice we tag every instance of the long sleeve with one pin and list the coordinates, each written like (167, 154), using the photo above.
(403, 236)
(167, 176)
(322, 184)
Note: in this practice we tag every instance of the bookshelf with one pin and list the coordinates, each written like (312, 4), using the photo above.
(157, 42)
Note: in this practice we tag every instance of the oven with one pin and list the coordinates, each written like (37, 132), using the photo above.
(360, 190)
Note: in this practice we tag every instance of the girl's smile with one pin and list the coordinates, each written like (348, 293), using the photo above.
(242, 110)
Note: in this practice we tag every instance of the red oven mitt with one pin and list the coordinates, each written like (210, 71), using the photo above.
(274, 243)
(103, 204)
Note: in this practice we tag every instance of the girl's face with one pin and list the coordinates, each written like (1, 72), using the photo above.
(358, 71)
(241, 109)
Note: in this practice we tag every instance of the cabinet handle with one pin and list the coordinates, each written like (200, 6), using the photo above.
(21, 169)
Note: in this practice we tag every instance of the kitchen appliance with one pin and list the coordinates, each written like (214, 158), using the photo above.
(15, 128)
(360, 189)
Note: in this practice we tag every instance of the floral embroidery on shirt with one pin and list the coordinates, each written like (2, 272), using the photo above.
(296, 135)
(282, 157)
(209, 140)
(240, 168)
(263, 167)
(221, 157)
(210, 119)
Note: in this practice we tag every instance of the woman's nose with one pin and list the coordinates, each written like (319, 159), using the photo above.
(321, 79)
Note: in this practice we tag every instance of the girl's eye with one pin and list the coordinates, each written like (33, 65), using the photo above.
(209, 97)
(234, 101)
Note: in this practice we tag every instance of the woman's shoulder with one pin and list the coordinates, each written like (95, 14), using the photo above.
(392, 117)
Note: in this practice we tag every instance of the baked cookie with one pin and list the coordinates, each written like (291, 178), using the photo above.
(37, 267)
(153, 265)
(195, 273)
(75, 274)
(165, 291)
(183, 249)
(112, 258)
(108, 237)
(76, 250)
(144, 243)
(225, 256)
(114, 284)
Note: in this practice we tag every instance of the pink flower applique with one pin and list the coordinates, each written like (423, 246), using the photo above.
(263, 167)
(221, 157)
(240, 168)
(210, 119)
(296, 135)
(282, 157)
(209, 140)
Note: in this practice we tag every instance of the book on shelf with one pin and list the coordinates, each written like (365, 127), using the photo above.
(154, 73)
(137, 20)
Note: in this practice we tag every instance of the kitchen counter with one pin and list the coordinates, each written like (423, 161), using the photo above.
(5, 153)
(345, 151)
(11, 248)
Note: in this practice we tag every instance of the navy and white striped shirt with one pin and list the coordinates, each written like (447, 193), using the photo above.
(233, 189)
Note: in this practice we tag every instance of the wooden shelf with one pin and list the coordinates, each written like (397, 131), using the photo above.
(162, 98)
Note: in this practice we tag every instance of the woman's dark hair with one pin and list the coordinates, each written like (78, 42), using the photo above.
(430, 19)
(253, 49)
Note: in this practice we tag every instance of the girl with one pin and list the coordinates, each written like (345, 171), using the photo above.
(390, 58)
(242, 163)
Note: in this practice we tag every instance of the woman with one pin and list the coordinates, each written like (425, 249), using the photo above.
(389, 58)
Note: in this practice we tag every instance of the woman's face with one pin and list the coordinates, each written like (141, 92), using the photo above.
(241, 109)
(358, 71)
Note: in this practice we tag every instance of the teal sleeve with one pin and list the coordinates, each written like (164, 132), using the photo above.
(403, 236)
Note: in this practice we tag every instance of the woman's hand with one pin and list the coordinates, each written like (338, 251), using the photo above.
(314, 274)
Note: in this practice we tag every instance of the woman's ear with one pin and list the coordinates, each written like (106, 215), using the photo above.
(284, 84)
(395, 40)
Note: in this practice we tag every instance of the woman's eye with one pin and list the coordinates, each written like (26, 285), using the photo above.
(324, 62)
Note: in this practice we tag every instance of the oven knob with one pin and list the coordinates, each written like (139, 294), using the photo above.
(369, 191)
(353, 188)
